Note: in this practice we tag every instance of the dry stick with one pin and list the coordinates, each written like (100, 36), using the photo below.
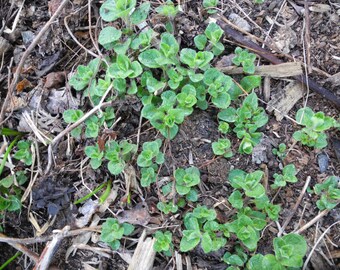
(24, 57)
(231, 33)
(316, 244)
(32, 255)
(41, 239)
(292, 212)
(314, 220)
(307, 37)
(50, 249)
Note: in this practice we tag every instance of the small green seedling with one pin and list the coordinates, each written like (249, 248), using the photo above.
(150, 154)
(201, 227)
(237, 259)
(247, 119)
(10, 193)
(210, 5)
(246, 59)
(247, 226)
(113, 231)
(288, 175)
(313, 134)
(166, 208)
(280, 152)
(222, 148)
(330, 193)
(289, 252)
(165, 117)
(168, 9)
(163, 242)
(24, 153)
(116, 153)
(186, 179)
(248, 182)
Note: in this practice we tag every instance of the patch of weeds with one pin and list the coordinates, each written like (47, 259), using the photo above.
(313, 134)
(288, 175)
(250, 184)
(330, 193)
(172, 82)
(112, 232)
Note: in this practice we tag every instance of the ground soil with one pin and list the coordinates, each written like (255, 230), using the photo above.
(57, 52)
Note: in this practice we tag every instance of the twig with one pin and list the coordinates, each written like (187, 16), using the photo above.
(316, 244)
(32, 255)
(273, 59)
(307, 37)
(50, 249)
(292, 212)
(314, 220)
(11, 89)
(41, 239)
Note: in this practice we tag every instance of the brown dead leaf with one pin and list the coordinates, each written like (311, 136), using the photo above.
(54, 80)
(23, 84)
(139, 215)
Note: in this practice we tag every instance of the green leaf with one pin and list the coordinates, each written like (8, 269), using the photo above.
(228, 115)
(168, 9)
(187, 56)
(115, 167)
(128, 228)
(190, 240)
(206, 242)
(248, 83)
(72, 116)
(169, 45)
(232, 259)
(290, 250)
(236, 199)
(141, 13)
(7, 181)
(148, 176)
(192, 196)
(109, 35)
(148, 58)
(112, 10)
(213, 32)
(200, 42)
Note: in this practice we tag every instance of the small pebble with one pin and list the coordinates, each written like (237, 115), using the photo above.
(323, 161)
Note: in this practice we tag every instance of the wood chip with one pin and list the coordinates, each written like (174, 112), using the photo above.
(283, 101)
(277, 71)
(144, 255)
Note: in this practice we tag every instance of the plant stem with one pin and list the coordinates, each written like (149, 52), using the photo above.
(90, 194)
(3, 266)
(13, 143)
